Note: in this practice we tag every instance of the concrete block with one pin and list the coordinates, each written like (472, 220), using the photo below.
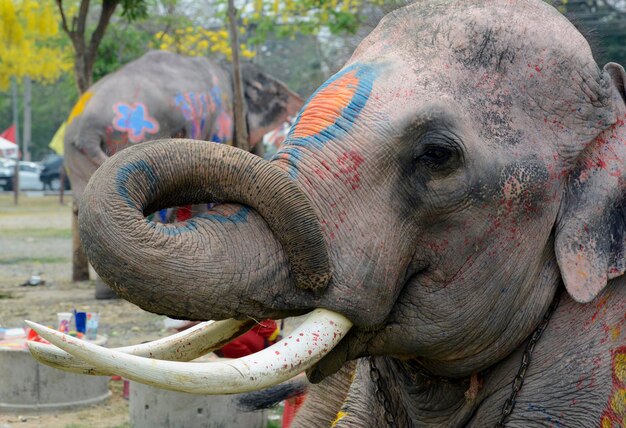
(27, 385)
(152, 407)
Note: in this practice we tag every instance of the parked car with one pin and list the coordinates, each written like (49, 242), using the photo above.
(28, 174)
(51, 173)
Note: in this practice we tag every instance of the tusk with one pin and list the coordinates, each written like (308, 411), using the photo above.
(184, 346)
(313, 339)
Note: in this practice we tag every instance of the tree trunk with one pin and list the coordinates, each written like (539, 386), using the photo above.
(82, 73)
(239, 104)
(62, 190)
(80, 264)
(16, 121)
(84, 58)
(27, 119)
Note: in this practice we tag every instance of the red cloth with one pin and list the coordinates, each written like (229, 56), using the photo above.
(9, 133)
(259, 337)
(183, 213)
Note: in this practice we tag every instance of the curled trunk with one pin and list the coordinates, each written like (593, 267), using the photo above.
(180, 269)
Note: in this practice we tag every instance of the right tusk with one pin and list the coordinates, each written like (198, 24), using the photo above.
(313, 339)
(184, 346)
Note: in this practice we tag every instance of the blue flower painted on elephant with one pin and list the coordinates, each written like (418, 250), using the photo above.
(135, 120)
(329, 113)
(195, 108)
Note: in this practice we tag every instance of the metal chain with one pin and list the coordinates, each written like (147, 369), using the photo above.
(518, 381)
(381, 393)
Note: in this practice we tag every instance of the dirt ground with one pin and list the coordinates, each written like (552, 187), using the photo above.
(35, 238)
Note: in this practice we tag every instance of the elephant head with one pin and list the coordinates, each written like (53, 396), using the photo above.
(269, 102)
(466, 161)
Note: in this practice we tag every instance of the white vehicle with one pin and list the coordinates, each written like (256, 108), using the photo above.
(28, 174)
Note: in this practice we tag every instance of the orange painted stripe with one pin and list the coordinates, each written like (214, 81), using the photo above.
(326, 106)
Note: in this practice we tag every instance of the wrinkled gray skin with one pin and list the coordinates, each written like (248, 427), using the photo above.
(186, 96)
(479, 167)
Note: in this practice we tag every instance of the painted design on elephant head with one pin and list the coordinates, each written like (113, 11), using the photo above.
(79, 107)
(615, 413)
(330, 112)
(223, 127)
(135, 120)
(195, 108)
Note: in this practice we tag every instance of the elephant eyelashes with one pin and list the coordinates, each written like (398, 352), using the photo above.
(436, 157)
(437, 154)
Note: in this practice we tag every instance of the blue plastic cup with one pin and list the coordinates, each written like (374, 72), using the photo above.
(81, 322)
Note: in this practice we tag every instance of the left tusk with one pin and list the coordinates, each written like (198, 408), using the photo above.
(184, 346)
(313, 339)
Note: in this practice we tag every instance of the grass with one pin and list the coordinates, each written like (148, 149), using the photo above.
(124, 425)
(36, 233)
(34, 218)
(29, 205)
(32, 260)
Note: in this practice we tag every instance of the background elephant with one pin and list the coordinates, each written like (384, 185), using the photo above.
(163, 94)
(460, 181)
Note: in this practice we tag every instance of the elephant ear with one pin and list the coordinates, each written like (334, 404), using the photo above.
(590, 237)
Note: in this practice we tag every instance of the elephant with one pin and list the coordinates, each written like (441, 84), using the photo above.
(449, 207)
(163, 94)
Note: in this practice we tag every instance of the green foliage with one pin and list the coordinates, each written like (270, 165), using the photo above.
(120, 45)
(340, 21)
(51, 104)
(134, 9)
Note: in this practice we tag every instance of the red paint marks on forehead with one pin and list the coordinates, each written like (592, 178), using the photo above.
(327, 106)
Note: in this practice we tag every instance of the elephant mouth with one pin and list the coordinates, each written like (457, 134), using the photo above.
(165, 363)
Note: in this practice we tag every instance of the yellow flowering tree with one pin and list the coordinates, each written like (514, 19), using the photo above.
(260, 18)
(198, 41)
(30, 44)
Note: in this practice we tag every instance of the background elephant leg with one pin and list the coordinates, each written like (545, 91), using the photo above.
(103, 291)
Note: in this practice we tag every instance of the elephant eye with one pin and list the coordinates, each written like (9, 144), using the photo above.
(436, 157)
